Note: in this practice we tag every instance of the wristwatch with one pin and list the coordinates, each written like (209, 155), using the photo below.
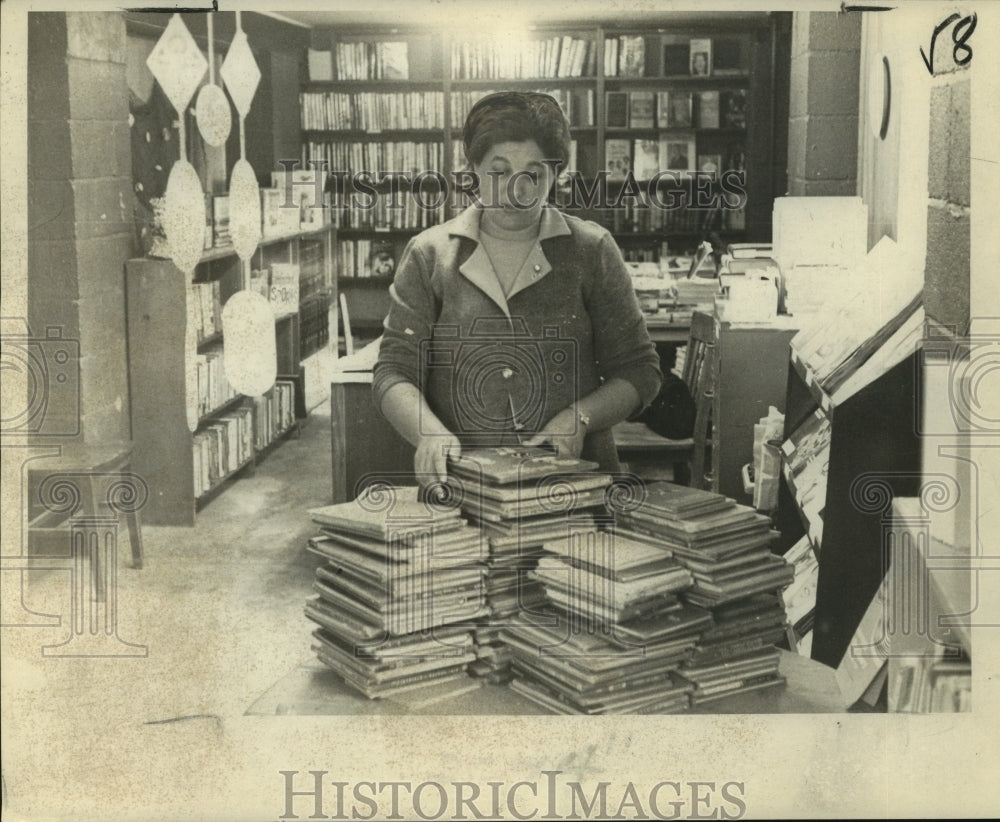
(584, 418)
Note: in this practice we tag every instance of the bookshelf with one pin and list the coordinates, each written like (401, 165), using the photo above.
(396, 98)
(838, 443)
(234, 432)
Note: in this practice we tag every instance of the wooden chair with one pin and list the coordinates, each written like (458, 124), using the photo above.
(345, 317)
(636, 442)
(700, 374)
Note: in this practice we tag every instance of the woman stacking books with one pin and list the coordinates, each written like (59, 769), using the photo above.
(513, 344)
(513, 324)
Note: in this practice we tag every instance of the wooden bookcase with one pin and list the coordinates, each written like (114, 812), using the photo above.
(158, 312)
(354, 120)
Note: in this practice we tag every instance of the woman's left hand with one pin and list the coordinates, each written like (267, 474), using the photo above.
(565, 432)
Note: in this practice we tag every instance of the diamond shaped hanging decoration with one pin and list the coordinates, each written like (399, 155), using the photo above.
(240, 73)
(177, 63)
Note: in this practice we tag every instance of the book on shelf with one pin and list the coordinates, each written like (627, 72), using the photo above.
(220, 220)
(674, 109)
(675, 57)
(275, 219)
(381, 261)
(701, 56)
(284, 289)
(727, 57)
(555, 57)
(677, 152)
(632, 56)
(710, 163)
(641, 105)
(380, 60)
(610, 56)
(733, 108)
(618, 160)
(260, 282)
(708, 109)
(320, 65)
(206, 309)
(616, 109)
(372, 111)
(222, 447)
(209, 239)
(645, 159)
(394, 59)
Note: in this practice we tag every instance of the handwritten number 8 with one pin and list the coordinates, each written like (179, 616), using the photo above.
(960, 34)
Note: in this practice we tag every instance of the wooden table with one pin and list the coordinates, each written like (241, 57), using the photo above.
(363, 444)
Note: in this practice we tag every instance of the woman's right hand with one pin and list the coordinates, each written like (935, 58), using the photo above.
(431, 459)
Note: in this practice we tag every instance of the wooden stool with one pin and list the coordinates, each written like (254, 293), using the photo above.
(86, 488)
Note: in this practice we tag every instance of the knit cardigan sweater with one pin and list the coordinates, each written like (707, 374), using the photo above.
(497, 368)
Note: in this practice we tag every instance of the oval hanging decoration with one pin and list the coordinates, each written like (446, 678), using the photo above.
(184, 216)
(250, 354)
(244, 209)
(179, 66)
(212, 107)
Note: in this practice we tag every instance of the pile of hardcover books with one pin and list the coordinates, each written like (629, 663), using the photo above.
(519, 497)
(399, 592)
(615, 631)
(725, 546)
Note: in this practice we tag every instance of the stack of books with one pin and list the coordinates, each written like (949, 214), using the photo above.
(398, 594)
(519, 498)
(577, 671)
(736, 674)
(726, 547)
(615, 631)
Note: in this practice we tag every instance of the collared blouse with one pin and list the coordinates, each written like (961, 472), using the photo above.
(496, 368)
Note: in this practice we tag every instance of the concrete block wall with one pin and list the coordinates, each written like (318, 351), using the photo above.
(80, 206)
(823, 104)
(947, 268)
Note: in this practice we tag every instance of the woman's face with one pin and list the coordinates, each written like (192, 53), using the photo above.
(514, 183)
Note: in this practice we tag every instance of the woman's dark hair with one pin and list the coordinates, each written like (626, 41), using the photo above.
(515, 116)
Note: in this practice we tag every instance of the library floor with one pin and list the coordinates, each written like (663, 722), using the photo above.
(217, 612)
(212, 641)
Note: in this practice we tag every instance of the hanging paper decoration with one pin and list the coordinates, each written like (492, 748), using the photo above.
(250, 356)
(212, 108)
(178, 66)
(242, 76)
